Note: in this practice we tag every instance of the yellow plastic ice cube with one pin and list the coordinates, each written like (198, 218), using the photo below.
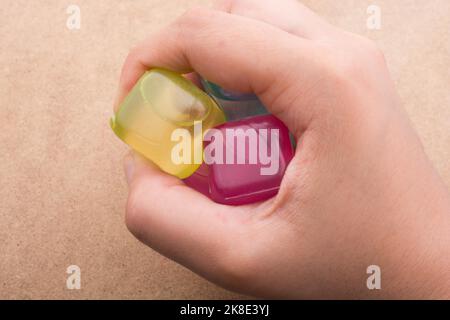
(160, 102)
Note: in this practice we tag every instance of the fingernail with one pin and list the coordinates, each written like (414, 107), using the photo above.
(129, 167)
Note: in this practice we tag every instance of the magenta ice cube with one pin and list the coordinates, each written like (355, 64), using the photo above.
(255, 154)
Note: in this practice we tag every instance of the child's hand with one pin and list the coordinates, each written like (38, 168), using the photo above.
(360, 190)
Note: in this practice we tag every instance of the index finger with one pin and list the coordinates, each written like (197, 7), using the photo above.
(238, 53)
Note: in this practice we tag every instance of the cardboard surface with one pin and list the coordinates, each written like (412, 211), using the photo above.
(62, 189)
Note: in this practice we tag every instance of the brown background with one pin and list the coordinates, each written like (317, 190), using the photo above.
(62, 191)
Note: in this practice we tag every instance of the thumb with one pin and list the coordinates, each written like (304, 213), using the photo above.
(177, 221)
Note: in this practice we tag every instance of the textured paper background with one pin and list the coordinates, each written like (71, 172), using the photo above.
(62, 191)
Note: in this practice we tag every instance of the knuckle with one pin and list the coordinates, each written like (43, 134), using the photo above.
(193, 23)
(225, 5)
(233, 6)
(372, 52)
(373, 47)
(194, 17)
(349, 67)
(359, 55)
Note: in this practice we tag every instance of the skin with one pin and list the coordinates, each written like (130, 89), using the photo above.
(360, 190)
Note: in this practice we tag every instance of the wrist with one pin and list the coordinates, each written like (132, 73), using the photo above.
(423, 263)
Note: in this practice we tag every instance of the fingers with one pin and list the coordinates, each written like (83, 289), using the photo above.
(238, 53)
(288, 15)
(177, 221)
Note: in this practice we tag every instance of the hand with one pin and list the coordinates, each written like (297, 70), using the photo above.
(360, 190)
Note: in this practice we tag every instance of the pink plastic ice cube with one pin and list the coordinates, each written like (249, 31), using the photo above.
(255, 154)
